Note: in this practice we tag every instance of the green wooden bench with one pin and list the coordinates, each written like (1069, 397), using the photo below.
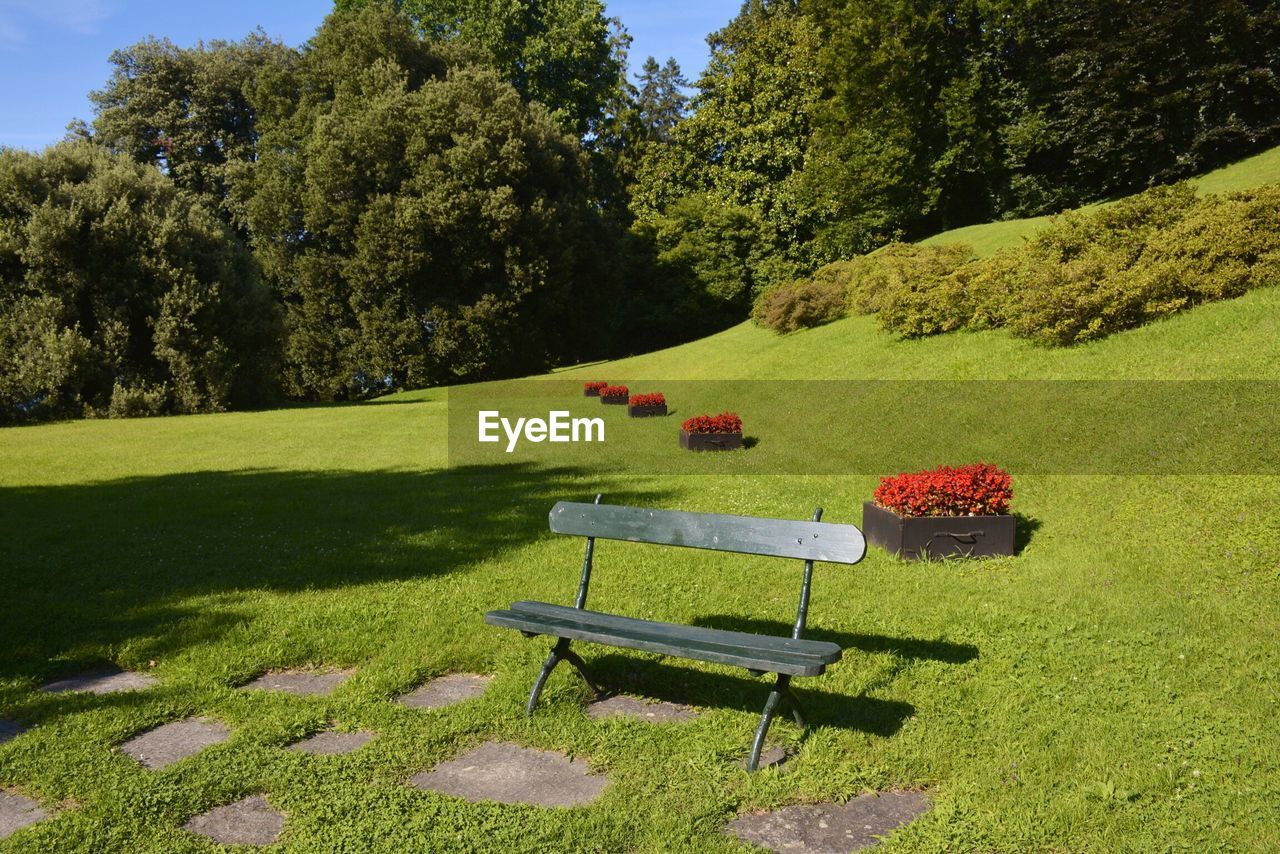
(760, 654)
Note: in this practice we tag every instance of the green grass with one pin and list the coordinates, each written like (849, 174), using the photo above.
(1111, 688)
(988, 238)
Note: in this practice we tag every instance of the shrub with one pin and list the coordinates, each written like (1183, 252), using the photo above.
(595, 386)
(979, 489)
(613, 391)
(890, 274)
(725, 422)
(801, 304)
(655, 399)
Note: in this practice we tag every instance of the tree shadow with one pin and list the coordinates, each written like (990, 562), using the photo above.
(658, 680)
(95, 566)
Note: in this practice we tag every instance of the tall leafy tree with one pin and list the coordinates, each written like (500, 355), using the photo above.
(122, 294)
(188, 110)
(424, 224)
(560, 53)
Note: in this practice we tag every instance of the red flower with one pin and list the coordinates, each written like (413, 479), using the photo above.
(648, 400)
(613, 391)
(725, 422)
(979, 489)
(595, 385)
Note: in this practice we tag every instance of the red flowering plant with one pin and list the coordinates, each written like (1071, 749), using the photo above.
(725, 422)
(648, 400)
(594, 386)
(979, 489)
(614, 391)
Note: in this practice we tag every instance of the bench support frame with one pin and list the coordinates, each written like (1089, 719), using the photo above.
(782, 689)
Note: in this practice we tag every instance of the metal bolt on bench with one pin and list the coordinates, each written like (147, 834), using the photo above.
(810, 541)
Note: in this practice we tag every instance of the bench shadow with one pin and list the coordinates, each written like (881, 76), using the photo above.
(906, 648)
(622, 674)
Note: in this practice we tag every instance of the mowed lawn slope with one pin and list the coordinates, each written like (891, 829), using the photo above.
(1111, 688)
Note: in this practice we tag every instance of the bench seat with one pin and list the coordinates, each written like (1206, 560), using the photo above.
(767, 653)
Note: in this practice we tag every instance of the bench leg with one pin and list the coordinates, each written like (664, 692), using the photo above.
(780, 692)
(560, 652)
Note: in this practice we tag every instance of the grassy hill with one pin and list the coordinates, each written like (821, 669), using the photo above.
(991, 237)
(1111, 687)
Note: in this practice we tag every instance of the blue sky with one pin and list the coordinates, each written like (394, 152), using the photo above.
(52, 52)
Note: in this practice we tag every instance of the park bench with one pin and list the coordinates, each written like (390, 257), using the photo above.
(760, 654)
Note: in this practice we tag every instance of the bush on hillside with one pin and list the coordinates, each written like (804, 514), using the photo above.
(802, 304)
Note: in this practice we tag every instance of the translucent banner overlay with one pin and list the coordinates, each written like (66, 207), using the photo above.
(1217, 427)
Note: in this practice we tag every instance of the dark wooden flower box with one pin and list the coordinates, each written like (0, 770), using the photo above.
(915, 537)
(614, 401)
(710, 441)
(591, 392)
(646, 411)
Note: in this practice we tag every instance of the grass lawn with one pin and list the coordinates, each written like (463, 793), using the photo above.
(1114, 687)
(988, 238)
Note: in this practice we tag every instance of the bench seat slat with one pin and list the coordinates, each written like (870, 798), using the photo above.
(820, 541)
(755, 652)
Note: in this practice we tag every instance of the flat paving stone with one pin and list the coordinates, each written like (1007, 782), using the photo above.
(17, 812)
(301, 683)
(446, 690)
(770, 757)
(511, 774)
(250, 821)
(830, 828)
(166, 744)
(10, 730)
(333, 743)
(622, 706)
(106, 681)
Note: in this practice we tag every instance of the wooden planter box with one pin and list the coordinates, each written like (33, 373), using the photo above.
(915, 537)
(614, 401)
(646, 411)
(710, 441)
(591, 392)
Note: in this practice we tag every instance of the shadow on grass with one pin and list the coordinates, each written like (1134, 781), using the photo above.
(100, 565)
(907, 648)
(678, 684)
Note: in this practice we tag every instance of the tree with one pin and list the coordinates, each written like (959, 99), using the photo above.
(559, 53)
(422, 223)
(660, 99)
(122, 294)
(188, 110)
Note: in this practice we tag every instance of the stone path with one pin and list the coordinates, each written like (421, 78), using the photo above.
(17, 812)
(446, 690)
(622, 706)
(301, 683)
(333, 743)
(10, 730)
(166, 744)
(770, 757)
(106, 681)
(251, 821)
(511, 774)
(830, 828)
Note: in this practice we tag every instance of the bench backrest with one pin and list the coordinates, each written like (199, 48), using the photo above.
(815, 541)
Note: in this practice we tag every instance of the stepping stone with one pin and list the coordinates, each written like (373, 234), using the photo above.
(251, 821)
(333, 743)
(10, 730)
(622, 706)
(510, 774)
(446, 690)
(17, 812)
(770, 757)
(107, 681)
(833, 828)
(302, 683)
(165, 745)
